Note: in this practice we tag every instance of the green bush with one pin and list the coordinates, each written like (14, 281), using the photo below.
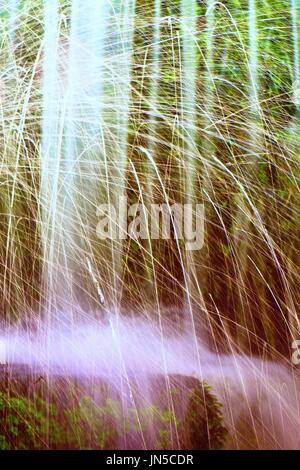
(81, 423)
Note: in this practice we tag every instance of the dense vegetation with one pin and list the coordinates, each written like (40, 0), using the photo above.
(199, 104)
(210, 144)
(36, 416)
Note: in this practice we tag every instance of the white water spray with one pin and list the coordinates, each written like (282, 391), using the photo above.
(262, 394)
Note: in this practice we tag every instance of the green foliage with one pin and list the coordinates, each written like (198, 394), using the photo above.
(23, 423)
(160, 420)
(83, 423)
(204, 421)
(90, 426)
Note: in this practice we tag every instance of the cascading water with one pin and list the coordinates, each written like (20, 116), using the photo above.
(122, 46)
(295, 12)
(189, 85)
(87, 87)
(74, 157)
(253, 58)
(50, 164)
(13, 8)
(295, 15)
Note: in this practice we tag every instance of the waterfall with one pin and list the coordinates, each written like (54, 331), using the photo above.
(87, 85)
(13, 9)
(295, 9)
(122, 42)
(155, 117)
(50, 161)
(189, 115)
(189, 84)
(295, 12)
(73, 80)
(253, 58)
(84, 146)
(164, 102)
